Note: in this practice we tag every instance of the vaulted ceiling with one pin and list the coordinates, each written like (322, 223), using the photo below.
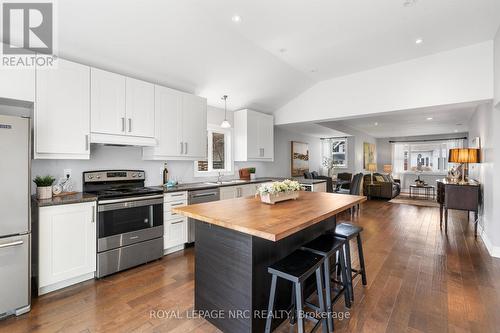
(278, 49)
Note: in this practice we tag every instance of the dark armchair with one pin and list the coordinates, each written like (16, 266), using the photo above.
(315, 175)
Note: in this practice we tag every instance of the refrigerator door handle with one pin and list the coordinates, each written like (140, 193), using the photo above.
(16, 243)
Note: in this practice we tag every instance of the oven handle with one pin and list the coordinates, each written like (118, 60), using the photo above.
(130, 199)
(129, 204)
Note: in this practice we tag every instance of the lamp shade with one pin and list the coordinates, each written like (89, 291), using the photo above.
(372, 167)
(463, 155)
(387, 168)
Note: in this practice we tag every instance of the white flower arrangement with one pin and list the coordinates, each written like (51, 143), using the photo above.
(280, 187)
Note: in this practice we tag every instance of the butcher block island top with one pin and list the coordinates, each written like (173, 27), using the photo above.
(272, 222)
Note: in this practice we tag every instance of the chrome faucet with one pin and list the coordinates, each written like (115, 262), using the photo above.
(219, 177)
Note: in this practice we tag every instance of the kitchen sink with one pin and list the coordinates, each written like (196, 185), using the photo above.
(226, 182)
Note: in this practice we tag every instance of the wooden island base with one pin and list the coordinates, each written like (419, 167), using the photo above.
(231, 277)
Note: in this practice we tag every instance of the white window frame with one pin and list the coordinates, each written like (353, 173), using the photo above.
(328, 152)
(228, 151)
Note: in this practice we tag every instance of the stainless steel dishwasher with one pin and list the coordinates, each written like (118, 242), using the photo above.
(200, 196)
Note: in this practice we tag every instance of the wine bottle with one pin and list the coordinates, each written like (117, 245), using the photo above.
(165, 174)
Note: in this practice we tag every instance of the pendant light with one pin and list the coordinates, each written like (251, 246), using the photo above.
(225, 123)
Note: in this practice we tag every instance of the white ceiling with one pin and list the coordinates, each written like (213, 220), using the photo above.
(445, 119)
(193, 45)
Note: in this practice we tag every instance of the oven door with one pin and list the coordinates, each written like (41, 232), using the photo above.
(123, 222)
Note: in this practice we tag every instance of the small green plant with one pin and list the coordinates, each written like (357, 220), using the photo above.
(44, 181)
(251, 170)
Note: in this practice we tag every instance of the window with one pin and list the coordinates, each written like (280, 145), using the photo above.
(423, 156)
(336, 150)
(219, 157)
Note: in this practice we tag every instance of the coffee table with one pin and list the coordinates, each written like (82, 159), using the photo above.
(427, 192)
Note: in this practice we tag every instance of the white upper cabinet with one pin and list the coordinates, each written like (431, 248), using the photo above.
(107, 102)
(194, 126)
(17, 83)
(122, 109)
(62, 111)
(254, 136)
(180, 126)
(140, 108)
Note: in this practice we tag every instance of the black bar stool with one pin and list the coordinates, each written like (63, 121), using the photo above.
(296, 268)
(348, 231)
(329, 247)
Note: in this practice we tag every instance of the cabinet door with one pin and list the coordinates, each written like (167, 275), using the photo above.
(107, 102)
(194, 126)
(249, 190)
(140, 110)
(62, 111)
(266, 136)
(228, 192)
(254, 150)
(67, 242)
(168, 122)
(175, 233)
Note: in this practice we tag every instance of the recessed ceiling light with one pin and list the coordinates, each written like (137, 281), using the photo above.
(236, 18)
(375, 123)
(429, 118)
(419, 41)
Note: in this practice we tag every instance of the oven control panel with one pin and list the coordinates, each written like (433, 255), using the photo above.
(113, 175)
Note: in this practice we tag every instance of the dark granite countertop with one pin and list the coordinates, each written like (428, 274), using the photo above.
(64, 199)
(208, 185)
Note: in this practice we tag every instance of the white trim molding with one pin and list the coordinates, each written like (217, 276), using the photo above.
(494, 251)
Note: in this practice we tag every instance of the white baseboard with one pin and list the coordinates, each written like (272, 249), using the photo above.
(63, 284)
(494, 251)
(173, 249)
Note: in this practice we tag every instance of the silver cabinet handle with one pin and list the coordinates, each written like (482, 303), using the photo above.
(129, 125)
(123, 124)
(263, 152)
(182, 148)
(93, 214)
(133, 237)
(186, 150)
(16, 243)
(87, 142)
(177, 222)
(177, 204)
(177, 195)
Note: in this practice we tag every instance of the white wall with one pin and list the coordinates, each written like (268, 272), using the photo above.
(456, 76)
(497, 68)
(482, 126)
(111, 157)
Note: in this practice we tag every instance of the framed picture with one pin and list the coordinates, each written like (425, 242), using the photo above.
(368, 154)
(300, 158)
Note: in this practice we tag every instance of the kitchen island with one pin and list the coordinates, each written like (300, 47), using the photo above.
(237, 239)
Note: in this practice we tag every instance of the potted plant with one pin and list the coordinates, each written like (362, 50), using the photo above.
(44, 186)
(279, 191)
(252, 173)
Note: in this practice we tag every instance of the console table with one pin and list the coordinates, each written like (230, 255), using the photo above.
(458, 196)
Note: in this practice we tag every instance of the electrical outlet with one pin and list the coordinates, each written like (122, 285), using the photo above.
(67, 173)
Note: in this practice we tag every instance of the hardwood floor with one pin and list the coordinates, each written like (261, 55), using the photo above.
(419, 280)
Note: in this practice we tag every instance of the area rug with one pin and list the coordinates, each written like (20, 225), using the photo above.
(404, 198)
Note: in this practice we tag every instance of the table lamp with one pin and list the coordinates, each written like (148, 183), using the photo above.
(372, 167)
(388, 168)
(463, 156)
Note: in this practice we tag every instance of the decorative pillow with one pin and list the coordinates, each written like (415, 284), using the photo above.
(379, 178)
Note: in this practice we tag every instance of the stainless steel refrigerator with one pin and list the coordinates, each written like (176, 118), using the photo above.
(15, 226)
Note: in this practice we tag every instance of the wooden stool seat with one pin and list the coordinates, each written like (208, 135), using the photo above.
(347, 230)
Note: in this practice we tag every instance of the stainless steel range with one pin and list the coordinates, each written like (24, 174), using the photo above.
(129, 219)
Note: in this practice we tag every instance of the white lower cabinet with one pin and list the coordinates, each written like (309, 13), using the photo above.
(239, 191)
(175, 226)
(66, 245)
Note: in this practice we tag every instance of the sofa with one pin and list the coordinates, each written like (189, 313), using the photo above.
(315, 175)
(387, 187)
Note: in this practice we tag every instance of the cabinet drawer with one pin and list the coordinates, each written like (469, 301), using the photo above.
(175, 196)
(167, 209)
(175, 232)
